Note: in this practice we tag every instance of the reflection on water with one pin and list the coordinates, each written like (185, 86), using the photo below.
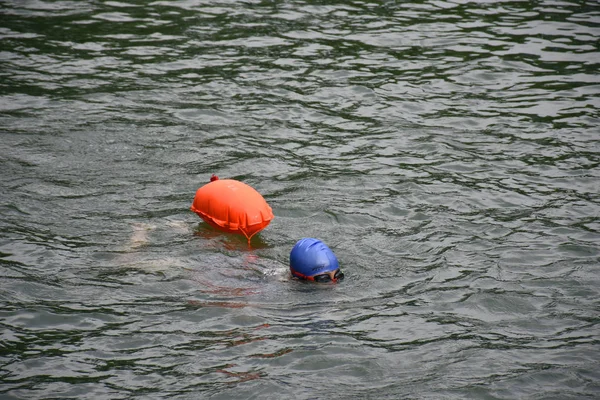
(446, 151)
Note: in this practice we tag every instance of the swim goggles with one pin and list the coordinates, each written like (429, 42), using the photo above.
(331, 276)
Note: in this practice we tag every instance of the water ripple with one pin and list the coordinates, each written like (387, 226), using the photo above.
(446, 151)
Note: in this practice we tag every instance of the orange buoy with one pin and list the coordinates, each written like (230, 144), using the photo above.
(232, 206)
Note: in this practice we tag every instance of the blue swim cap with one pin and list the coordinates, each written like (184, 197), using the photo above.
(312, 257)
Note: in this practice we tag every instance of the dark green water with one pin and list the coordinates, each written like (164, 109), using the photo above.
(448, 152)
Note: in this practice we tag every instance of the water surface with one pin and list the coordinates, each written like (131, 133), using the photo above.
(447, 152)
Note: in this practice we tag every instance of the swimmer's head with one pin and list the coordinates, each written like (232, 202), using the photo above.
(312, 260)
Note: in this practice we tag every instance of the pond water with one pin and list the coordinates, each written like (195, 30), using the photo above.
(447, 151)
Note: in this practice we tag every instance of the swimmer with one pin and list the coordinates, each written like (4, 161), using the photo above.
(312, 260)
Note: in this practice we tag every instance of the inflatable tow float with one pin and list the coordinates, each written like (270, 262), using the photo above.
(232, 206)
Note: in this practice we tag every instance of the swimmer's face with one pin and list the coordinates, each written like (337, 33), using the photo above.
(331, 276)
(326, 277)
